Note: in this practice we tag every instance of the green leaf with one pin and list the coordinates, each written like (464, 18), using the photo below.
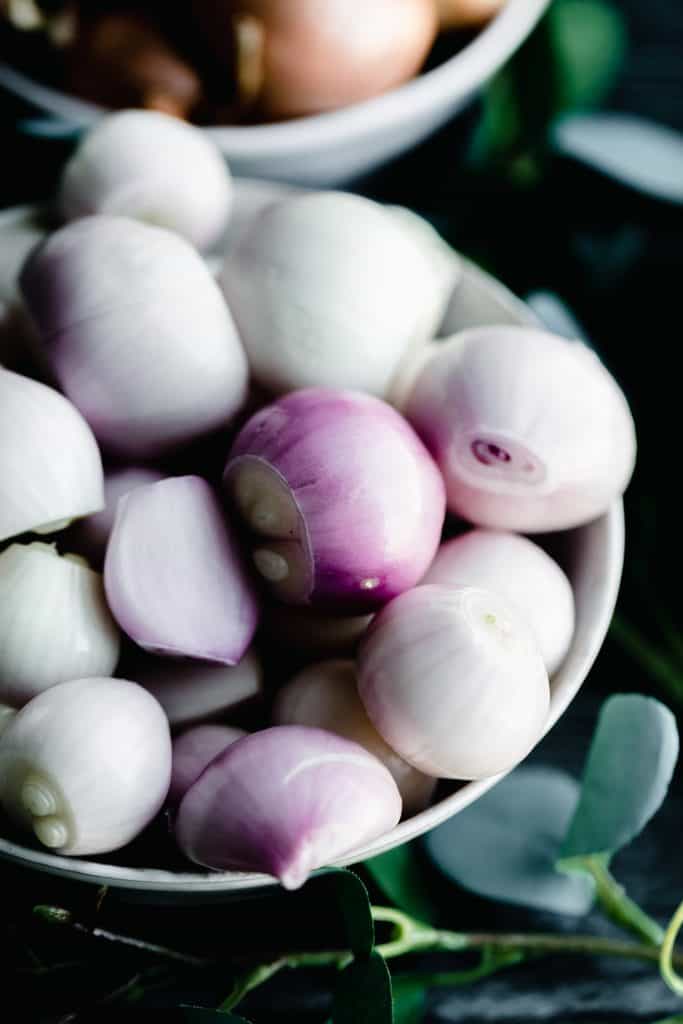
(363, 994)
(504, 846)
(409, 1000)
(398, 874)
(589, 42)
(345, 888)
(627, 774)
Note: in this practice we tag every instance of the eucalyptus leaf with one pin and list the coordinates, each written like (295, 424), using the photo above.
(589, 43)
(409, 1000)
(627, 774)
(647, 157)
(398, 874)
(505, 845)
(363, 993)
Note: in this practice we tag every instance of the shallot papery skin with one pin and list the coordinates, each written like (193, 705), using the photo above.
(315, 55)
(344, 503)
(530, 430)
(452, 679)
(137, 332)
(522, 573)
(90, 535)
(174, 575)
(117, 170)
(50, 465)
(193, 750)
(286, 801)
(325, 696)
(190, 691)
(86, 765)
(330, 289)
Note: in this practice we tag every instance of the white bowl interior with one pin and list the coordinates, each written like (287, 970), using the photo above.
(592, 555)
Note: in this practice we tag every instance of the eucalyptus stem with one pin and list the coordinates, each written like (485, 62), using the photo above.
(666, 957)
(617, 905)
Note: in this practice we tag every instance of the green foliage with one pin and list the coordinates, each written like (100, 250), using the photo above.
(345, 890)
(409, 1000)
(589, 45)
(569, 63)
(398, 875)
(363, 993)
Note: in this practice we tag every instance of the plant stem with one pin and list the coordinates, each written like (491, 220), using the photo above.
(64, 918)
(666, 958)
(432, 940)
(617, 905)
(251, 980)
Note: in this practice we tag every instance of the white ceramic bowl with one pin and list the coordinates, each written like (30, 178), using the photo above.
(333, 148)
(591, 555)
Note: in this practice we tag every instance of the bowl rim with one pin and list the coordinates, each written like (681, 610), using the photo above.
(458, 76)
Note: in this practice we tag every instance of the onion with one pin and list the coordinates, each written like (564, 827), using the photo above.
(116, 170)
(325, 696)
(121, 59)
(50, 466)
(467, 13)
(313, 55)
(530, 430)
(286, 801)
(54, 622)
(330, 289)
(344, 505)
(137, 332)
(86, 765)
(192, 691)
(90, 535)
(174, 576)
(522, 573)
(453, 681)
(193, 750)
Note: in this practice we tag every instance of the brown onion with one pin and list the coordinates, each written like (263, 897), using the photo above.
(123, 60)
(466, 13)
(314, 55)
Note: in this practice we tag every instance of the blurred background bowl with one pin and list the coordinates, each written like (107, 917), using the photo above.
(591, 555)
(333, 148)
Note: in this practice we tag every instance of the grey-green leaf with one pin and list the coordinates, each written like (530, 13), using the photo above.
(504, 846)
(647, 157)
(627, 774)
